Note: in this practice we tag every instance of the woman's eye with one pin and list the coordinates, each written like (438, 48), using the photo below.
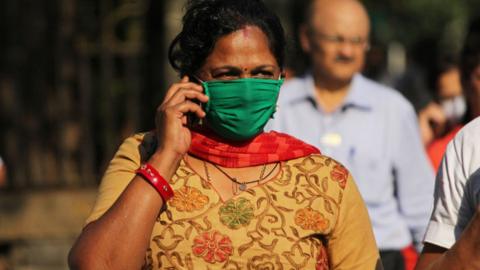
(226, 75)
(263, 74)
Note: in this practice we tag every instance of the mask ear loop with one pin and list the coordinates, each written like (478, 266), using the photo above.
(281, 79)
(282, 76)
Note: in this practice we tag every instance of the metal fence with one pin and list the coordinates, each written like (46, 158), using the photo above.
(76, 77)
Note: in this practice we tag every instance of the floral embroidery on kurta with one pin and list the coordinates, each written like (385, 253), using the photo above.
(236, 213)
(269, 226)
(212, 246)
(265, 262)
(188, 199)
(310, 219)
(339, 174)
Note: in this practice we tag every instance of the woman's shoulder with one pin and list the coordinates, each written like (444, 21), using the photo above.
(316, 158)
(137, 146)
(322, 166)
(138, 138)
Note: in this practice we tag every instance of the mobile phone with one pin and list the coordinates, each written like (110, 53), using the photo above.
(192, 119)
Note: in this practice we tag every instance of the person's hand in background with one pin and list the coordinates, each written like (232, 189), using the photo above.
(432, 121)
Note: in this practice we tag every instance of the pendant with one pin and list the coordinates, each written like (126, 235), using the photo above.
(243, 187)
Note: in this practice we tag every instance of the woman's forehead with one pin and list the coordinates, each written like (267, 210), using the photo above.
(245, 47)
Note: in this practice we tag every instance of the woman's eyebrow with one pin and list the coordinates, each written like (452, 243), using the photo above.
(263, 67)
(227, 67)
(237, 69)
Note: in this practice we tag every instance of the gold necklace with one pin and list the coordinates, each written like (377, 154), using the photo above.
(237, 185)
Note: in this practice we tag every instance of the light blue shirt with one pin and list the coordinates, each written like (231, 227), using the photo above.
(375, 134)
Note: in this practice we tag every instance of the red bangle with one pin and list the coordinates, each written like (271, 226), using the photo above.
(156, 180)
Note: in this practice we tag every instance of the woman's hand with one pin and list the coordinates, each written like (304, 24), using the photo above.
(173, 135)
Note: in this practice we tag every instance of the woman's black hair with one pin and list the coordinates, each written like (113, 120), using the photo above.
(205, 21)
(443, 64)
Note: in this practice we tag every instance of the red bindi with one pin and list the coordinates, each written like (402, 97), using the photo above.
(245, 32)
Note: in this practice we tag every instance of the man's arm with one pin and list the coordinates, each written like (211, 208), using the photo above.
(464, 254)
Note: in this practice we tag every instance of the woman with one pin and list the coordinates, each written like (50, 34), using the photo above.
(445, 79)
(242, 198)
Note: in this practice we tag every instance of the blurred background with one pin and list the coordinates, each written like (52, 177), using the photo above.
(77, 77)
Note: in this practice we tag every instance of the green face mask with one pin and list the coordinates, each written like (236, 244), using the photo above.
(239, 109)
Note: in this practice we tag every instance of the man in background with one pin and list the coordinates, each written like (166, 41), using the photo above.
(370, 128)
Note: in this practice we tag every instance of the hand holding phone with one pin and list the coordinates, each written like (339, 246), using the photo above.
(172, 128)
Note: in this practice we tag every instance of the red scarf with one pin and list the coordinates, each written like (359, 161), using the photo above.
(265, 148)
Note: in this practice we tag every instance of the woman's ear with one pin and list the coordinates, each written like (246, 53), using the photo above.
(195, 79)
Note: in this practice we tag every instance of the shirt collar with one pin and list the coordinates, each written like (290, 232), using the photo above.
(356, 97)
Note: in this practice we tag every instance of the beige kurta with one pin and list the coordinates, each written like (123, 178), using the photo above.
(310, 215)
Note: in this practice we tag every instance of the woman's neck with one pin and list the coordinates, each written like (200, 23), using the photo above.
(226, 181)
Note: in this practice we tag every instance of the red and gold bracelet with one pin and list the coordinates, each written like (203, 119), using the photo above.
(148, 172)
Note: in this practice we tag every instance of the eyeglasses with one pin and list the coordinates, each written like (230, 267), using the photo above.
(340, 40)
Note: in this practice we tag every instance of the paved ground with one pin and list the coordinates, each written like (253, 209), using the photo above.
(38, 228)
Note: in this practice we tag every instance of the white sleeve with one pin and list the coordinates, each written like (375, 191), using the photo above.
(454, 194)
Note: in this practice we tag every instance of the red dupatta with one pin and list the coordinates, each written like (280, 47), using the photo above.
(265, 148)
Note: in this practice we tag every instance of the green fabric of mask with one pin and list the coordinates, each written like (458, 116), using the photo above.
(239, 109)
